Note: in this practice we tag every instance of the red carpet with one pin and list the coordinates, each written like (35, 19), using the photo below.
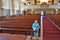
(50, 30)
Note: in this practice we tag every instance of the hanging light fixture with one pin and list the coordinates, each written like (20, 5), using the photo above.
(23, 0)
(43, 2)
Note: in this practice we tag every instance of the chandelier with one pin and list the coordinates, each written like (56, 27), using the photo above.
(44, 2)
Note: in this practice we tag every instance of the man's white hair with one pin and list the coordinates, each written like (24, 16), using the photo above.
(35, 20)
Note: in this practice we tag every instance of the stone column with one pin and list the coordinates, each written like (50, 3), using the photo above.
(33, 11)
(0, 6)
(6, 7)
(22, 7)
(41, 29)
(42, 12)
(56, 11)
(19, 7)
(11, 7)
(0, 11)
(16, 7)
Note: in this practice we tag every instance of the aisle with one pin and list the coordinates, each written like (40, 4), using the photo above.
(50, 31)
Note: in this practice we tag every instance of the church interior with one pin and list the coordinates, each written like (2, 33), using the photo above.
(17, 17)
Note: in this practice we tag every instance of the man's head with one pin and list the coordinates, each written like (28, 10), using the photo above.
(35, 21)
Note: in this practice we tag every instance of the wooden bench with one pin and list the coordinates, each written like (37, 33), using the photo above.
(20, 24)
(55, 19)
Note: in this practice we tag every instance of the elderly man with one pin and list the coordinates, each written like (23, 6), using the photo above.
(35, 27)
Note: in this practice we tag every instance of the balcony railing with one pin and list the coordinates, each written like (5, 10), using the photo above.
(41, 6)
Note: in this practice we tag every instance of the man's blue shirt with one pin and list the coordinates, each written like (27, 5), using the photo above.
(35, 25)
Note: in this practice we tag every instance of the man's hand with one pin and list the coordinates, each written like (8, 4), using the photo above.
(34, 29)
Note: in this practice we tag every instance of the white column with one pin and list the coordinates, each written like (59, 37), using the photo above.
(6, 4)
(15, 11)
(41, 31)
(19, 7)
(32, 11)
(11, 8)
(0, 7)
(22, 6)
(56, 11)
(0, 11)
(42, 12)
(6, 7)
(16, 6)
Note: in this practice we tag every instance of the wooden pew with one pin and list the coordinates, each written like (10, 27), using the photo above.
(20, 24)
(2, 17)
(55, 19)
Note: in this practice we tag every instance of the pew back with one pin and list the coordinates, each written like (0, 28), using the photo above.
(20, 23)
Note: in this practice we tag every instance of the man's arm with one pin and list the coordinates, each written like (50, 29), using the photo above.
(38, 25)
